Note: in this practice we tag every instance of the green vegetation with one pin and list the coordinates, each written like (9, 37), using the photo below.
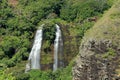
(19, 23)
(80, 10)
(4, 76)
(117, 15)
(60, 74)
(109, 53)
(49, 33)
(107, 29)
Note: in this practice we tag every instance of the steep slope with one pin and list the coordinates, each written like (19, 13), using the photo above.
(99, 57)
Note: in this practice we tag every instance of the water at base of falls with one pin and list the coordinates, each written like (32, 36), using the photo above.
(34, 57)
(58, 44)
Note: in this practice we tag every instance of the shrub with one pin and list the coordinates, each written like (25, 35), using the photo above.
(4, 76)
(49, 32)
(23, 76)
(9, 45)
(2, 55)
(110, 53)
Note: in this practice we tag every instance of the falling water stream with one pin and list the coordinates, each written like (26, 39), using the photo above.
(34, 57)
(58, 43)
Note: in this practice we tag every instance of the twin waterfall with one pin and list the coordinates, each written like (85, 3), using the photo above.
(34, 57)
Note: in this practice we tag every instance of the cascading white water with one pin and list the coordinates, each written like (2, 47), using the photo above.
(34, 57)
(57, 43)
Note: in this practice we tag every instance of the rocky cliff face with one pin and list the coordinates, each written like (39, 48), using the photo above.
(99, 56)
(71, 43)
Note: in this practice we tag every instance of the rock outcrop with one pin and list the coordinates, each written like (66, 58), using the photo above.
(99, 56)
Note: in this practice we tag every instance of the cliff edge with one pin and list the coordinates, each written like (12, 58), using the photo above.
(99, 55)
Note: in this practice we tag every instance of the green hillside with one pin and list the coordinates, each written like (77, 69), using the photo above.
(99, 57)
(19, 20)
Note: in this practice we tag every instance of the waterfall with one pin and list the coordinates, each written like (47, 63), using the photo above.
(58, 44)
(34, 57)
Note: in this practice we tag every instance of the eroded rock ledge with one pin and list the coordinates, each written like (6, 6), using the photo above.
(93, 64)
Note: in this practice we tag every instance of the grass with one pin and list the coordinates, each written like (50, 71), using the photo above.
(106, 27)
(110, 54)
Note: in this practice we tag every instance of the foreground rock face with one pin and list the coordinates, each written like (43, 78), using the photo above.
(99, 57)
(94, 64)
